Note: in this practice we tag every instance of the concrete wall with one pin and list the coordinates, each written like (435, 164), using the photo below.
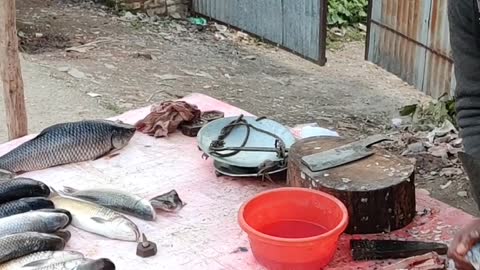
(174, 8)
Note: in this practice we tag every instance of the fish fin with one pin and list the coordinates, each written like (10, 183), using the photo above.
(99, 157)
(69, 190)
(103, 155)
(91, 199)
(110, 154)
(99, 220)
(47, 129)
(53, 192)
(38, 264)
(113, 155)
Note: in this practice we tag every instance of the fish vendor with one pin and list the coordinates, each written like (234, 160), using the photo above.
(464, 20)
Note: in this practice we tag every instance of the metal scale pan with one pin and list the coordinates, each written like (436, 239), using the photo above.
(245, 159)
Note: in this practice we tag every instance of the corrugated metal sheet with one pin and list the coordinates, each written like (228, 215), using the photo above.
(299, 26)
(410, 38)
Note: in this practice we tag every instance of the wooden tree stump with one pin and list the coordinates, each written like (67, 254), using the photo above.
(10, 72)
(378, 190)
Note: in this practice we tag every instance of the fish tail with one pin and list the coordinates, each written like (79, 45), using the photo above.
(69, 190)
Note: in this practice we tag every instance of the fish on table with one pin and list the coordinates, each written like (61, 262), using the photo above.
(18, 245)
(24, 205)
(97, 219)
(117, 200)
(69, 261)
(67, 143)
(128, 203)
(19, 188)
(41, 258)
(65, 265)
(35, 221)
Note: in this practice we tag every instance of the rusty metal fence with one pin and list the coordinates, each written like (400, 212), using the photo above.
(299, 26)
(410, 38)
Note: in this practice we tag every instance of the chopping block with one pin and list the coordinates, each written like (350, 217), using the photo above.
(377, 187)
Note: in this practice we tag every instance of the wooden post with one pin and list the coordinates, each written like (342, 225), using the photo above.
(10, 72)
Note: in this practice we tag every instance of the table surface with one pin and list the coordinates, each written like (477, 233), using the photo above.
(205, 233)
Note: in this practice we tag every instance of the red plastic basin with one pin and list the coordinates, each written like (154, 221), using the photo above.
(293, 228)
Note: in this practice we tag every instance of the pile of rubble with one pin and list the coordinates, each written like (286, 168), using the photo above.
(182, 24)
(428, 136)
(442, 143)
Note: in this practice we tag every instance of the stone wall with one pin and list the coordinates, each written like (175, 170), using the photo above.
(174, 8)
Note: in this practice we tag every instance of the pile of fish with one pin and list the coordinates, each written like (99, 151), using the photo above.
(33, 219)
(100, 211)
(33, 216)
(32, 230)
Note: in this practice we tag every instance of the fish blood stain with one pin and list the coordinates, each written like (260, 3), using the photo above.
(293, 229)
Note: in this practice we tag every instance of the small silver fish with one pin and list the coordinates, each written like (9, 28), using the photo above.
(24, 205)
(19, 188)
(117, 200)
(41, 258)
(97, 219)
(48, 265)
(18, 245)
(35, 221)
(169, 202)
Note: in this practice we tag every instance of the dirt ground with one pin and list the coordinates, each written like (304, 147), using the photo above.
(132, 64)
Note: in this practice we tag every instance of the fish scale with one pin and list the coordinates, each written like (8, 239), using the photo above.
(66, 265)
(117, 200)
(36, 221)
(18, 245)
(67, 143)
(18, 188)
(51, 257)
(24, 205)
(97, 219)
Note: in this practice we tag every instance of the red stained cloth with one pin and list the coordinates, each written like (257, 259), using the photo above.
(165, 117)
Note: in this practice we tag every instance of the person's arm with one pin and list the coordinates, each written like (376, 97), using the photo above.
(464, 22)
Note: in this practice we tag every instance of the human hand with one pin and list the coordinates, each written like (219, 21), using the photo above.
(462, 243)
